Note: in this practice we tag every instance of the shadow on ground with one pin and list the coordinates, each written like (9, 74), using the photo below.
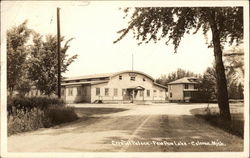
(235, 127)
(178, 130)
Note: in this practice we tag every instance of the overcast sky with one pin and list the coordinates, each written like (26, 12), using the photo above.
(94, 26)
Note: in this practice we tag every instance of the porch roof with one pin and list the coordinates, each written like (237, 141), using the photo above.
(137, 88)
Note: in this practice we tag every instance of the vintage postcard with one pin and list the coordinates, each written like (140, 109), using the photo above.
(124, 79)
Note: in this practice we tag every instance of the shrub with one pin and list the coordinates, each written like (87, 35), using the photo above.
(26, 114)
(27, 103)
(58, 114)
(21, 120)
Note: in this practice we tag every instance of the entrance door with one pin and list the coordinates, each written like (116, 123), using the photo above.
(127, 94)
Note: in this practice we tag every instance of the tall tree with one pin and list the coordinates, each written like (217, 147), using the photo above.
(156, 23)
(43, 62)
(234, 64)
(17, 52)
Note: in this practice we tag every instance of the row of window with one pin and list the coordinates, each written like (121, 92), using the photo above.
(78, 91)
(132, 78)
(186, 86)
(186, 94)
(107, 92)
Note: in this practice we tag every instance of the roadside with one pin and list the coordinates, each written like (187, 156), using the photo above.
(211, 115)
(124, 128)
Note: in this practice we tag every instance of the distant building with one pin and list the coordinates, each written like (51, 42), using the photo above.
(125, 86)
(182, 89)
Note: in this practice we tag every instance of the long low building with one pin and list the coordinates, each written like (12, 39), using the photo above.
(125, 86)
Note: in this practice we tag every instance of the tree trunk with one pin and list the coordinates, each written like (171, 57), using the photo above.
(221, 82)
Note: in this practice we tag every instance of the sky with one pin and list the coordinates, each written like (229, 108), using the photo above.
(94, 26)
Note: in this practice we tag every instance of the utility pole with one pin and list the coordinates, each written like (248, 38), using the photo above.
(132, 62)
(58, 54)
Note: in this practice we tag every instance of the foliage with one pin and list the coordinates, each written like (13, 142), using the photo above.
(234, 64)
(43, 62)
(156, 23)
(31, 102)
(17, 52)
(171, 23)
(22, 120)
(27, 114)
(24, 85)
(60, 114)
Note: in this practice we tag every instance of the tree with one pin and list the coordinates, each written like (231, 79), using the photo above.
(207, 86)
(17, 52)
(43, 62)
(157, 23)
(234, 64)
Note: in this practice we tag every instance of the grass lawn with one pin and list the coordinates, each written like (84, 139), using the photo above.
(211, 114)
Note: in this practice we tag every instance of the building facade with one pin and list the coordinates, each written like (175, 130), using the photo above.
(125, 86)
(182, 89)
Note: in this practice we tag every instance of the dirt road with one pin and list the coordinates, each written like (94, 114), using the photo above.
(129, 128)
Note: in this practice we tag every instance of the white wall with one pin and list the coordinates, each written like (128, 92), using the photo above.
(125, 83)
(176, 90)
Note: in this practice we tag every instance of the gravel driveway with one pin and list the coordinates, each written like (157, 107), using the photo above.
(129, 128)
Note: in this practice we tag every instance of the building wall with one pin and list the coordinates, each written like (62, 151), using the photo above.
(124, 83)
(176, 90)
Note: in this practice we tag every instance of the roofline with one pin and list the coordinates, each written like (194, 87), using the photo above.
(183, 83)
(160, 85)
(108, 75)
(84, 83)
(132, 71)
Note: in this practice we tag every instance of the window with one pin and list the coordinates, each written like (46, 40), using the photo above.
(132, 78)
(115, 91)
(97, 91)
(144, 79)
(120, 77)
(123, 92)
(186, 86)
(187, 94)
(141, 93)
(106, 92)
(85, 91)
(62, 91)
(78, 91)
(195, 86)
(155, 92)
(148, 93)
(170, 94)
(70, 91)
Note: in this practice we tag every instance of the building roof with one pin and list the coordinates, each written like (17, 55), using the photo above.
(192, 80)
(104, 75)
(87, 82)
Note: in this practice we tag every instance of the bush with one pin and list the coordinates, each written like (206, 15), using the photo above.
(28, 103)
(26, 114)
(21, 120)
(58, 114)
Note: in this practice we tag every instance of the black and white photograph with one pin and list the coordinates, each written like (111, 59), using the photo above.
(124, 79)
